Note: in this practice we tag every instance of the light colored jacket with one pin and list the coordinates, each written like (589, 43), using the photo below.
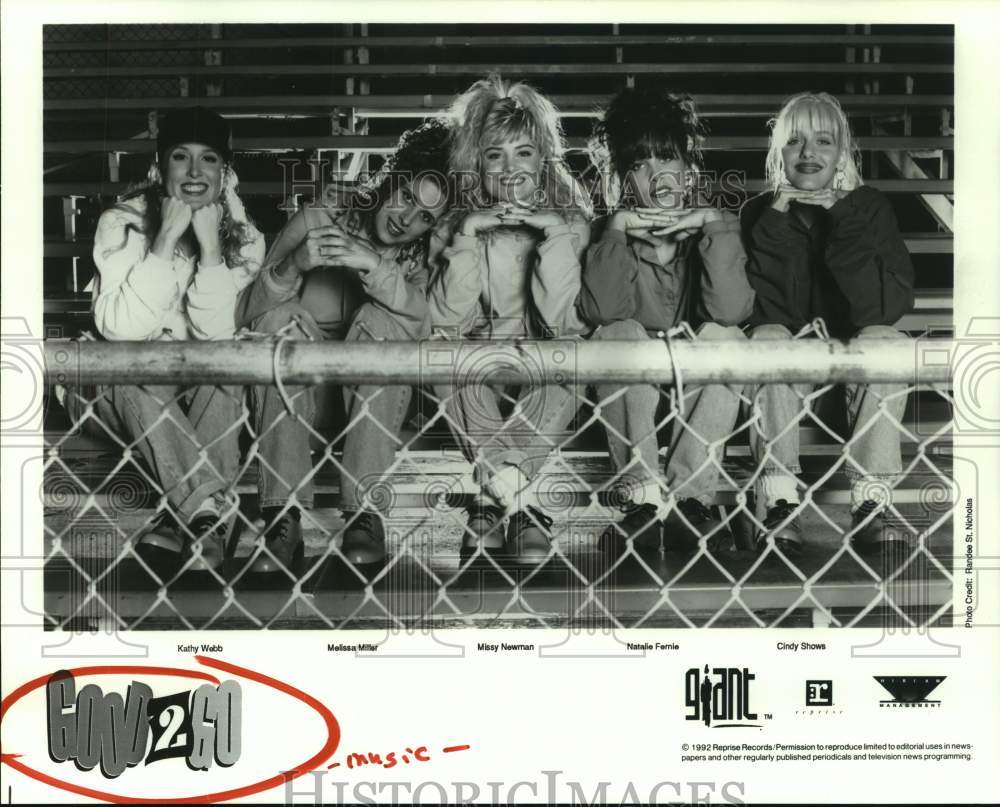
(511, 282)
(140, 296)
(398, 285)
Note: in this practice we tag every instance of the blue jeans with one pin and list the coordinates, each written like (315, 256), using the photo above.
(524, 440)
(873, 454)
(188, 439)
(375, 419)
(697, 438)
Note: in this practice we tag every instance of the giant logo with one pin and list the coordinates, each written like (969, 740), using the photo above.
(720, 699)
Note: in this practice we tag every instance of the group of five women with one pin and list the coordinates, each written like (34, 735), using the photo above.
(475, 228)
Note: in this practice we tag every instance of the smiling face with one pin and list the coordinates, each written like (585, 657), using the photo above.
(811, 152)
(657, 182)
(811, 159)
(511, 168)
(411, 210)
(192, 172)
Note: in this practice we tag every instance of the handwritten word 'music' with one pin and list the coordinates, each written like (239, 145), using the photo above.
(394, 758)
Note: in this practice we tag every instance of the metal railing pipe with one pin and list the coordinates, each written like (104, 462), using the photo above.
(555, 361)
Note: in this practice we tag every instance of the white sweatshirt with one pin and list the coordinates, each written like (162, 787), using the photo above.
(139, 296)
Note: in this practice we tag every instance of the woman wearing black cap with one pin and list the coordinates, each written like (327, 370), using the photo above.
(171, 258)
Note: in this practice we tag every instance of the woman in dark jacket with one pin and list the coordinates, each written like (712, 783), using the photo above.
(824, 246)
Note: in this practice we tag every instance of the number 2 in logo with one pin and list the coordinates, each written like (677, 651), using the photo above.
(170, 724)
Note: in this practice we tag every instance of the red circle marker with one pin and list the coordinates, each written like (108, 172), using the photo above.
(317, 759)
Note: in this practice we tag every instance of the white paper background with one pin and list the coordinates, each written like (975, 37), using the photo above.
(612, 719)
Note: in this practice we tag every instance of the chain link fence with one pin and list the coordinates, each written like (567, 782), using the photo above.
(342, 430)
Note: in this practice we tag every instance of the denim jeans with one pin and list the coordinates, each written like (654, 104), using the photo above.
(187, 439)
(375, 419)
(697, 438)
(524, 440)
(873, 452)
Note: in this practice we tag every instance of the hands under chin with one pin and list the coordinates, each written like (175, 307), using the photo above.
(206, 222)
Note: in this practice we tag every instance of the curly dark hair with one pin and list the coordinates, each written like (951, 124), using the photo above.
(422, 151)
(648, 122)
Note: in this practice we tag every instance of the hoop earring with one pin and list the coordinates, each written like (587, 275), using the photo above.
(690, 181)
(153, 175)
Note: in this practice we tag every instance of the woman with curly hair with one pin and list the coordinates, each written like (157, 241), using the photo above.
(171, 258)
(662, 259)
(512, 270)
(345, 269)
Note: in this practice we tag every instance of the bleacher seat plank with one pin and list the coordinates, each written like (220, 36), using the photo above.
(422, 475)
(388, 143)
(559, 40)
(482, 601)
(322, 104)
(79, 302)
(685, 69)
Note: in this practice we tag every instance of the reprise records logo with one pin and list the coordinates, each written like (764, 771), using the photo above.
(720, 699)
(819, 699)
(910, 691)
(819, 693)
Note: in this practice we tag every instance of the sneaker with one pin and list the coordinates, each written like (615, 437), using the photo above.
(528, 537)
(206, 543)
(684, 534)
(871, 533)
(485, 530)
(641, 523)
(162, 546)
(283, 541)
(364, 538)
(784, 525)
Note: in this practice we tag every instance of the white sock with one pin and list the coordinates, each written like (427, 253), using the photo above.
(869, 489)
(209, 507)
(649, 492)
(773, 487)
(510, 487)
(212, 506)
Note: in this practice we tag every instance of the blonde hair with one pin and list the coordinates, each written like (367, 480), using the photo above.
(491, 111)
(236, 229)
(816, 112)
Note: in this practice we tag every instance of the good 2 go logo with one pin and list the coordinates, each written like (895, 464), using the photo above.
(85, 732)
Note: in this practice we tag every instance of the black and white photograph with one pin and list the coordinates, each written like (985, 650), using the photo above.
(485, 325)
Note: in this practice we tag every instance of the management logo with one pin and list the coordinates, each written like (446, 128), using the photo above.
(909, 691)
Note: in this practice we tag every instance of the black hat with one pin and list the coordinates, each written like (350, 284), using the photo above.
(194, 125)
